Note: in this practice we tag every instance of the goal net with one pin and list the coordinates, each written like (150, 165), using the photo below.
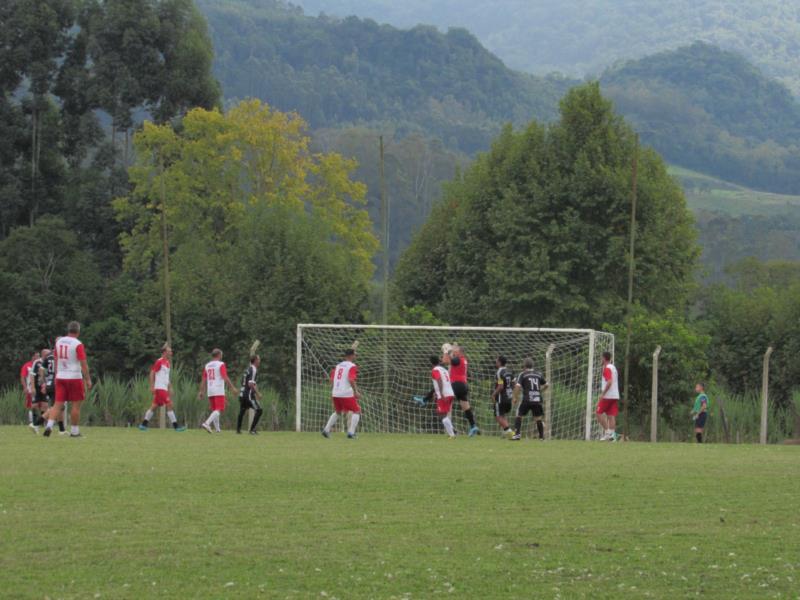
(394, 366)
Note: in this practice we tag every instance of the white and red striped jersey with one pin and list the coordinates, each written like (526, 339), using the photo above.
(441, 382)
(214, 375)
(342, 378)
(69, 354)
(161, 370)
(610, 374)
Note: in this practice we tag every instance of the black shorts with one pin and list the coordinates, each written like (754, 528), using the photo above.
(250, 401)
(502, 406)
(460, 390)
(535, 408)
(39, 396)
(700, 421)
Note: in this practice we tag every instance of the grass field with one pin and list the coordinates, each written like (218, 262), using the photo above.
(125, 514)
(704, 192)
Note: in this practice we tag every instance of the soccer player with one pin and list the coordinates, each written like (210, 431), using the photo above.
(72, 380)
(608, 405)
(215, 376)
(458, 379)
(443, 390)
(24, 372)
(700, 411)
(249, 396)
(530, 384)
(37, 384)
(345, 394)
(49, 364)
(502, 394)
(161, 389)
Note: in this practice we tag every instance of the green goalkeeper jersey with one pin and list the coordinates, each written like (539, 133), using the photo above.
(698, 403)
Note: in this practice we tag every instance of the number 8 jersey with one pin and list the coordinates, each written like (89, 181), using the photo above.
(342, 377)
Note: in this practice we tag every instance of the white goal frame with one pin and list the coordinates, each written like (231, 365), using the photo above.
(592, 374)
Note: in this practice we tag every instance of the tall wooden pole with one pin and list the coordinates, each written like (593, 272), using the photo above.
(162, 417)
(385, 293)
(631, 270)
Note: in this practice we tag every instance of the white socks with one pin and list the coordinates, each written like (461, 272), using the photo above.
(30, 417)
(50, 423)
(448, 426)
(171, 415)
(331, 422)
(354, 419)
(74, 430)
(213, 419)
(148, 415)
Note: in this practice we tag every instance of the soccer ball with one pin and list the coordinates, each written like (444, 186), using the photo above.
(447, 348)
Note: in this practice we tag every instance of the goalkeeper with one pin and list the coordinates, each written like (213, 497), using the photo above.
(249, 396)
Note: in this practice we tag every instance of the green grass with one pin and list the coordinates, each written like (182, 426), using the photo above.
(125, 514)
(710, 194)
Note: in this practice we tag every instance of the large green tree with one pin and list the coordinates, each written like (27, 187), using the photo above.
(536, 231)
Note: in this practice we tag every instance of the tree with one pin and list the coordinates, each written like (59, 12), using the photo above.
(269, 232)
(535, 232)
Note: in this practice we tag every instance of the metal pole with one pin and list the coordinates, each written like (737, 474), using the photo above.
(548, 394)
(589, 386)
(631, 269)
(162, 411)
(654, 398)
(298, 380)
(765, 395)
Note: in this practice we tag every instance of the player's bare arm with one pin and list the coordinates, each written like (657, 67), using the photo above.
(152, 378)
(86, 377)
(202, 389)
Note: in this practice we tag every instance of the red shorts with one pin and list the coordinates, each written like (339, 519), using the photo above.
(161, 397)
(69, 390)
(342, 405)
(216, 403)
(444, 405)
(608, 407)
(28, 400)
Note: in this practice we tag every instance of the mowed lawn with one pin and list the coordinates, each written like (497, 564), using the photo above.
(125, 514)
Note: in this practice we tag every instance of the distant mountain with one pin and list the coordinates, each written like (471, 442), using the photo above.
(580, 37)
(712, 111)
(337, 72)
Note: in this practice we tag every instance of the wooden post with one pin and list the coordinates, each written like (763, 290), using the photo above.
(631, 271)
(654, 398)
(765, 395)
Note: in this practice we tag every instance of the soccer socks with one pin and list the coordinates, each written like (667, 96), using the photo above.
(30, 417)
(212, 419)
(469, 417)
(699, 437)
(240, 418)
(256, 418)
(217, 421)
(518, 425)
(73, 430)
(540, 428)
(60, 426)
(354, 423)
(448, 426)
(147, 416)
(331, 422)
(51, 422)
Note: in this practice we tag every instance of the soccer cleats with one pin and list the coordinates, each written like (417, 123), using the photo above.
(419, 400)
(47, 432)
(325, 434)
(351, 436)
(516, 437)
(142, 427)
(474, 431)
(206, 427)
(180, 428)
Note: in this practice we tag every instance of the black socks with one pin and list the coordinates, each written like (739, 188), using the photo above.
(259, 412)
(470, 417)
(540, 428)
(699, 437)
(518, 425)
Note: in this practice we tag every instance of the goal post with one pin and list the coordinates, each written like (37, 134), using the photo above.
(394, 367)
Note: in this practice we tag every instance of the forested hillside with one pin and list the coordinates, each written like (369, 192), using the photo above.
(352, 71)
(578, 37)
(714, 112)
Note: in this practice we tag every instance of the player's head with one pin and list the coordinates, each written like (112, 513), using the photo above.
(34, 355)
(501, 361)
(350, 354)
(434, 360)
(166, 350)
(528, 363)
(73, 328)
(606, 358)
(255, 360)
(216, 353)
(700, 387)
(457, 350)
(45, 352)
